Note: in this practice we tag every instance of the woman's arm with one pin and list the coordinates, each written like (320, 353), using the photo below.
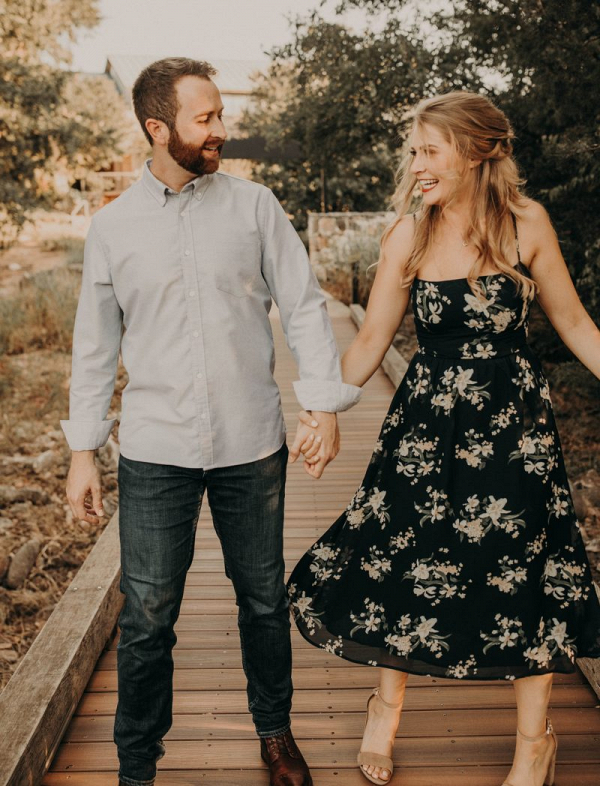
(557, 295)
(385, 311)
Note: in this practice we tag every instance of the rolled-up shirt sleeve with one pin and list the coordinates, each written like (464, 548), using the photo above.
(303, 310)
(96, 343)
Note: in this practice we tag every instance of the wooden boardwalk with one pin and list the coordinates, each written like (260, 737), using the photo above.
(452, 733)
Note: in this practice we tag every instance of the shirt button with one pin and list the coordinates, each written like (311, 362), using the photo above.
(183, 213)
(195, 334)
(191, 293)
(199, 375)
(187, 253)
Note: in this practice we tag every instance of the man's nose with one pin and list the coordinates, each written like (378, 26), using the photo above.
(219, 130)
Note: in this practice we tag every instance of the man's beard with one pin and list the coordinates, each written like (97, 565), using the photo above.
(189, 157)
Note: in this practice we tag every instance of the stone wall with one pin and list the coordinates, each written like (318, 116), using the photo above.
(342, 247)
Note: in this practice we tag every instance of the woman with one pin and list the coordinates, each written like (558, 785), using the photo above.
(460, 554)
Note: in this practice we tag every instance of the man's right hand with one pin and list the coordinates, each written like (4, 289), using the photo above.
(84, 489)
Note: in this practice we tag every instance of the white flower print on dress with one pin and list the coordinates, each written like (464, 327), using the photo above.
(478, 452)
(538, 452)
(463, 668)
(458, 384)
(362, 509)
(301, 607)
(437, 507)
(511, 577)
(525, 379)
(377, 565)
(402, 541)
(486, 311)
(477, 517)
(371, 620)
(551, 640)
(325, 564)
(503, 419)
(420, 383)
(477, 348)
(564, 580)
(409, 635)
(334, 646)
(508, 634)
(429, 303)
(435, 580)
(417, 454)
(560, 504)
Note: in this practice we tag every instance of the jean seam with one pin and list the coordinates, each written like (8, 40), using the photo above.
(275, 733)
(131, 782)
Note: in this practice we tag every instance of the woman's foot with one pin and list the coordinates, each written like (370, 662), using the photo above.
(380, 732)
(532, 760)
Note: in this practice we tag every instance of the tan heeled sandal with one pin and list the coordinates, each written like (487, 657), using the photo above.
(371, 759)
(549, 780)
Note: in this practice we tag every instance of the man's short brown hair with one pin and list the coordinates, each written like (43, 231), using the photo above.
(154, 94)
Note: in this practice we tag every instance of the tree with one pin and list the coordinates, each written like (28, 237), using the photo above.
(545, 55)
(341, 97)
(46, 119)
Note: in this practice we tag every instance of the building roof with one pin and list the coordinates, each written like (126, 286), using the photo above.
(234, 76)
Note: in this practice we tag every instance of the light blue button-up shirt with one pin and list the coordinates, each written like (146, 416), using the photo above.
(182, 284)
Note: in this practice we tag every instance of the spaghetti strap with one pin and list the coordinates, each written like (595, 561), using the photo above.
(514, 220)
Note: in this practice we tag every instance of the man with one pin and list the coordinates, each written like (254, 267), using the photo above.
(179, 273)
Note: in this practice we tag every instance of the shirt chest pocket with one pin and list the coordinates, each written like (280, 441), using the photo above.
(237, 267)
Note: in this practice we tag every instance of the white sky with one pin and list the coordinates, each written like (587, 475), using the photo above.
(205, 29)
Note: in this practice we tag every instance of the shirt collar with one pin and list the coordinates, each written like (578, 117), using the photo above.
(159, 190)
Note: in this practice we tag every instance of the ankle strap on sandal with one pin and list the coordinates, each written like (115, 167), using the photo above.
(384, 702)
(548, 731)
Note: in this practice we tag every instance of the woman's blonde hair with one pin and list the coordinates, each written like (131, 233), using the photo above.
(477, 130)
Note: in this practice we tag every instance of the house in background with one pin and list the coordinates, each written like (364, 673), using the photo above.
(234, 80)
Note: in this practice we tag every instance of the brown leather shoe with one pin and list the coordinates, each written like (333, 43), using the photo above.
(285, 762)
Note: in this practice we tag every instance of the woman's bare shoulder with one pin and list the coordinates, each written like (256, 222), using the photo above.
(398, 242)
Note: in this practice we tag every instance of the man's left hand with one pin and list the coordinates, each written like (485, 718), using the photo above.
(319, 443)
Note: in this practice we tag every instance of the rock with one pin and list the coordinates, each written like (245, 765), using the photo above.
(5, 525)
(15, 266)
(44, 461)
(22, 563)
(579, 501)
(8, 656)
(9, 494)
(4, 563)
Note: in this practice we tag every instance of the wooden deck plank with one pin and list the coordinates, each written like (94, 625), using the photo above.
(221, 754)
(348, 725)
(485, 775)
(474, 696)
(452, 733)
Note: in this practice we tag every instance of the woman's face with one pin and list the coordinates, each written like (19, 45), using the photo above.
(437, 166)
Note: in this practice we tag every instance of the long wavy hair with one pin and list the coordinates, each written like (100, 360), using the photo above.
(477, 130)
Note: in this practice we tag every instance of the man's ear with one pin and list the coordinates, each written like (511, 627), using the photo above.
(158, 131)
(473, 163)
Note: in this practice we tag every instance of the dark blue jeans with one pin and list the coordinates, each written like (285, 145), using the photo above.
(159, 507)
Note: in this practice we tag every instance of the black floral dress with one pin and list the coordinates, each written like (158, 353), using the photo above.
(460, 554)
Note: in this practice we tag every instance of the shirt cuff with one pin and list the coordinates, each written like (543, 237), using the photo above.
(325, 395)
(87, 434)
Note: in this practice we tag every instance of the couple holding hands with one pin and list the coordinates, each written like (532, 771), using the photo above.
(459, 556)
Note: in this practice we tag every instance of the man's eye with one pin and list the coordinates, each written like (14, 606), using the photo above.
(412, 153)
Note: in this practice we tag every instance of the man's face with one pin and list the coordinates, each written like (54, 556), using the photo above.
(197, 140)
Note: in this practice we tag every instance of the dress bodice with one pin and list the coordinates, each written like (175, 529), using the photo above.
(452, 321)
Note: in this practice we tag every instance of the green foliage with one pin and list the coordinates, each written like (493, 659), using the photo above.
(540, 60)
(50, 120)
(340, 97)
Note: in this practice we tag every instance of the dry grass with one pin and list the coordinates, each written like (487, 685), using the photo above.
(41, 314)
